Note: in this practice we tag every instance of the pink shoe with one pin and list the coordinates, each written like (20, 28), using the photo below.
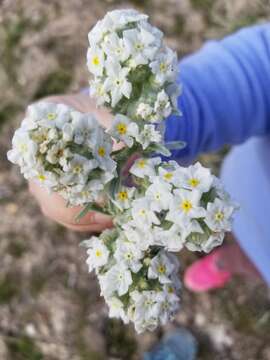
(205, 274)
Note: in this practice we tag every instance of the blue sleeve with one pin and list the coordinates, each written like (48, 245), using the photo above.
(226, 93)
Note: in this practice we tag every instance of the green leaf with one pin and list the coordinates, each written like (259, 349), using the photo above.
(175, 145)
(114, 186)
(90, 207)
(161, 149)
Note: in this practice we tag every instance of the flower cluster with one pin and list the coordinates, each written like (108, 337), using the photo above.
(171, 207)
(134, 74)
(139, 282)
(157, 207)
(65, 151)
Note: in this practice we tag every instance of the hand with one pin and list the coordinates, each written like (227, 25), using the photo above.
(53, 205)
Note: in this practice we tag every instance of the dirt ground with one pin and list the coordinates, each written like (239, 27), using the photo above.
(50, 307)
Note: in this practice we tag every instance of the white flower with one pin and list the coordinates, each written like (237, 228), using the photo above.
(120, 18)
(45, 178)
(162, 105)
(98, 32)
(124, 129)
(221, 192)
(23, 149)
(147, 309)
(129, 254)
(159, 195)
(81, 194)
(85, 128)
(116, 82)
(114, 47)
(98, 254)
(168, 306)
(116, 309)
(164, 66)
(167, 174)
(161, 268)
(142, 238)
(117, 279)
(219, 216)
(97, 90)
(58, 154)
(174, 90)
(172, 239)
(143, 325)
(49, 114)
(185, 206)
(124, 197)
(203, 242)
(148, 135)
(213, 241)
(102, 152)
(194, 177)
(95, 60)
(77, 170)
(141, 44)
(142, 214)
(145, 167)
(144, 110)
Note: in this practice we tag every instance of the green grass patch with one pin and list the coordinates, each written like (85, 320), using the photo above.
(9, 288)
(17, 248)
(120, 340)
(23, 348)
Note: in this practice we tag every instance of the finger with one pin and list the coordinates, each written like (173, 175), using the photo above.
(92, 229)
(54, 207)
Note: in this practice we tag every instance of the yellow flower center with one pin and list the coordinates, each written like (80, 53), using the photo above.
(142, 212)
(122, 195)
(163, 67)
(51, 116)
(23, 148)
(193, 182)
(98, 253)
(141, 163)
(219, 216)
(139, 46)
(121, 128)
(161, 269)
(100, 90)
(95, 61)
(186, 206)
(128, 256)
(101, 151)
(41, 177)
(77, 169)
(85, 193)
(167, 176)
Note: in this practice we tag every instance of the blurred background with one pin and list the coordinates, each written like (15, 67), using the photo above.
(49, 305)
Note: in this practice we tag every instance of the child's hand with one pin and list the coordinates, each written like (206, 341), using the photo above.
(53, 205)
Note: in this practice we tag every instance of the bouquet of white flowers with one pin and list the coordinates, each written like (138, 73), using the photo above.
(158, 207)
